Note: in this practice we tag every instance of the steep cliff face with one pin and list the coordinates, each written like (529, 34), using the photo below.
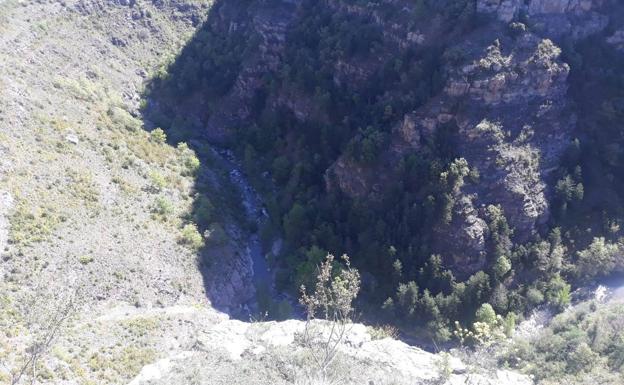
(555, 18)
(400, 131)
(508, 102)
(506, 95)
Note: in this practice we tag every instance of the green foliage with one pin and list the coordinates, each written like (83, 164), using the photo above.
(306, 270)
(157, 181)
(281, 169)
(451, 181)
(190, 162)
(204, 210)
(534, 296)
(488, 327)
(295, 223)
(558, 292)
(123, 119)
(271, 309)
(599, 258)
(407, 299)
(367, 145)
(486, 314)
(162, 208)
(502, 267)
(158, 135)
(383, 331)
(31, 225)
(351, 120)
(578, 347)
(190, 236)
(335, 289)
(509, 324)
(85, 259)
(395, 231)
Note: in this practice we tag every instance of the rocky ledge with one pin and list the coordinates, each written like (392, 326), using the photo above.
(233, 352)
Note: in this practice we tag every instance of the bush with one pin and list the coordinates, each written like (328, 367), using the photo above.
(204, 210)
(158, 135)
(502, 267)
(332, 299)
(191, 237)
(509, 323)
(162, 208)
(157, 181)
(534, 296)
(487, 328)
(598, 259)
(581, 346)
(190, 162)
(558, 293)
(383, 331)
(486, 314)
(583, 358)
(85, 259)
(123, 118)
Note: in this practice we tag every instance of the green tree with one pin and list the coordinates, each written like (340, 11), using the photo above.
(502, 267)
(558, 292)
(407, 298)
(295, 224)
(486, 314)
(598, 259)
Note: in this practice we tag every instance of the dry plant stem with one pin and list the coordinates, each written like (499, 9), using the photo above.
(45, 341)
(333, 297)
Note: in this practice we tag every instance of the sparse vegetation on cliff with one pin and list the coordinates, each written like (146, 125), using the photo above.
(181, 156)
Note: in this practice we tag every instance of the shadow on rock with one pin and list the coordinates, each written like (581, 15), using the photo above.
(191, 100)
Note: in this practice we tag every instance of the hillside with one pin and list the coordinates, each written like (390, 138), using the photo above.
(98, 261)
(446, 145)
(172, 171)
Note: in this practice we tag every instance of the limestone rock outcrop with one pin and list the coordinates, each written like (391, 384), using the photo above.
(230, 352)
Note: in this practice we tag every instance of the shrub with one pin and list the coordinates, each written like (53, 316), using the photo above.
(534, 296)
(383, 331)
(32, 225)
(509, 323)
(158, 135)
(598, 259)
(204, 210)
(486, 314)
(332, 299)
(583, 358)
(157, 181)
(487, 328)
(189, 160)
(502, 267)
(579, 345)
(123, 118)
(162, 208)
(85, 259)
(191, 237)
(558, 292)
